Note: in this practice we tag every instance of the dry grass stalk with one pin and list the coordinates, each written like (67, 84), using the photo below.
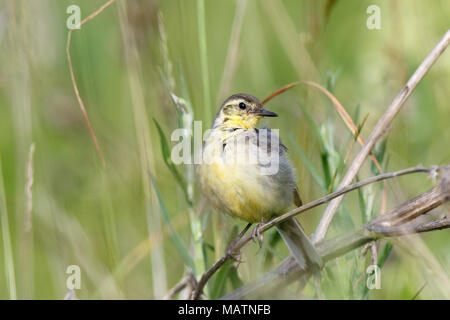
(378, 228)
(238, 243)
(74, 82)
(381, 127)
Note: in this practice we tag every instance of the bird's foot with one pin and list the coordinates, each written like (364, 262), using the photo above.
(257, 236)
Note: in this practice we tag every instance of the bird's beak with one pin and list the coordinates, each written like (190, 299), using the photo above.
(265, 113)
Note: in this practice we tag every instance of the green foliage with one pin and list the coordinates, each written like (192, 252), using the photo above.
(97, 217)
(176, 238)
(308, 164)
(6, 239)
(168, 161)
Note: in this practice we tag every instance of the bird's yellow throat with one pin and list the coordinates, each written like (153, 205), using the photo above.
(240, 121)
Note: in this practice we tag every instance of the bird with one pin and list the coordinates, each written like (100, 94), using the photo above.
(236, 178)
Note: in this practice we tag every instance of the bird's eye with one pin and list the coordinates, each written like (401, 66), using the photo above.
(242, 105)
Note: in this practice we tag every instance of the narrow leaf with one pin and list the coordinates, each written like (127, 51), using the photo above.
(179, 244)
(7, 242)
(309, 165)
(312, 124)
(384, 254)
(220, 280)
(168, 161)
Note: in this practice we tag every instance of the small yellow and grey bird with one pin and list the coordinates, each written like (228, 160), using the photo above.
(234, 175)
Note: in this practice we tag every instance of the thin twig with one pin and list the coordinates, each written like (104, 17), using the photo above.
(340, 192)
(417, 207)
(345, 117)
(289, 270)
(381, 127)
(186, 281)
(339, 107)
(208, 274)
(74, 82)
(419, 291)
(238, 243)
(410, 228)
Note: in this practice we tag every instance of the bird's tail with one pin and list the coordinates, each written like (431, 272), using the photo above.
(299, 245)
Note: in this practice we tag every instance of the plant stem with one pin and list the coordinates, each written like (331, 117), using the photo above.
(381, 128)
(203, 59)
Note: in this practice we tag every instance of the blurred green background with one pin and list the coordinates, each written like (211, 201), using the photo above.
(127, 224)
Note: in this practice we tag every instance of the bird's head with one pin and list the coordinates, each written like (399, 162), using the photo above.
(241, 111)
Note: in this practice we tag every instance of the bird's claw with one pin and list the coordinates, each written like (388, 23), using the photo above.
(257, 236)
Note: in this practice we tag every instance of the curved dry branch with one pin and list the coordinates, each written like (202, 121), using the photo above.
(398, 222)
(339, 108)
(187, 281)
(239, 242)
(381, 127)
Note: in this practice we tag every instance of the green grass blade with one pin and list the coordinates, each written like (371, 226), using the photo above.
(379, 152)
(331, 79)
(217, 289)
(362, 204)
(235, 280)
(384, 254)
(203, 58)
(167, 160)
(312, 124)
(326, 169)
(308, 163)
(176, 238)
(7, 243)
(220, 280)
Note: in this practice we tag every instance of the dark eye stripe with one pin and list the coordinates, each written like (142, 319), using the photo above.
(227, 109)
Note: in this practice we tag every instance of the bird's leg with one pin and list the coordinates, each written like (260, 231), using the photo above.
(244, 231)
(256, 235)
(236, 256)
